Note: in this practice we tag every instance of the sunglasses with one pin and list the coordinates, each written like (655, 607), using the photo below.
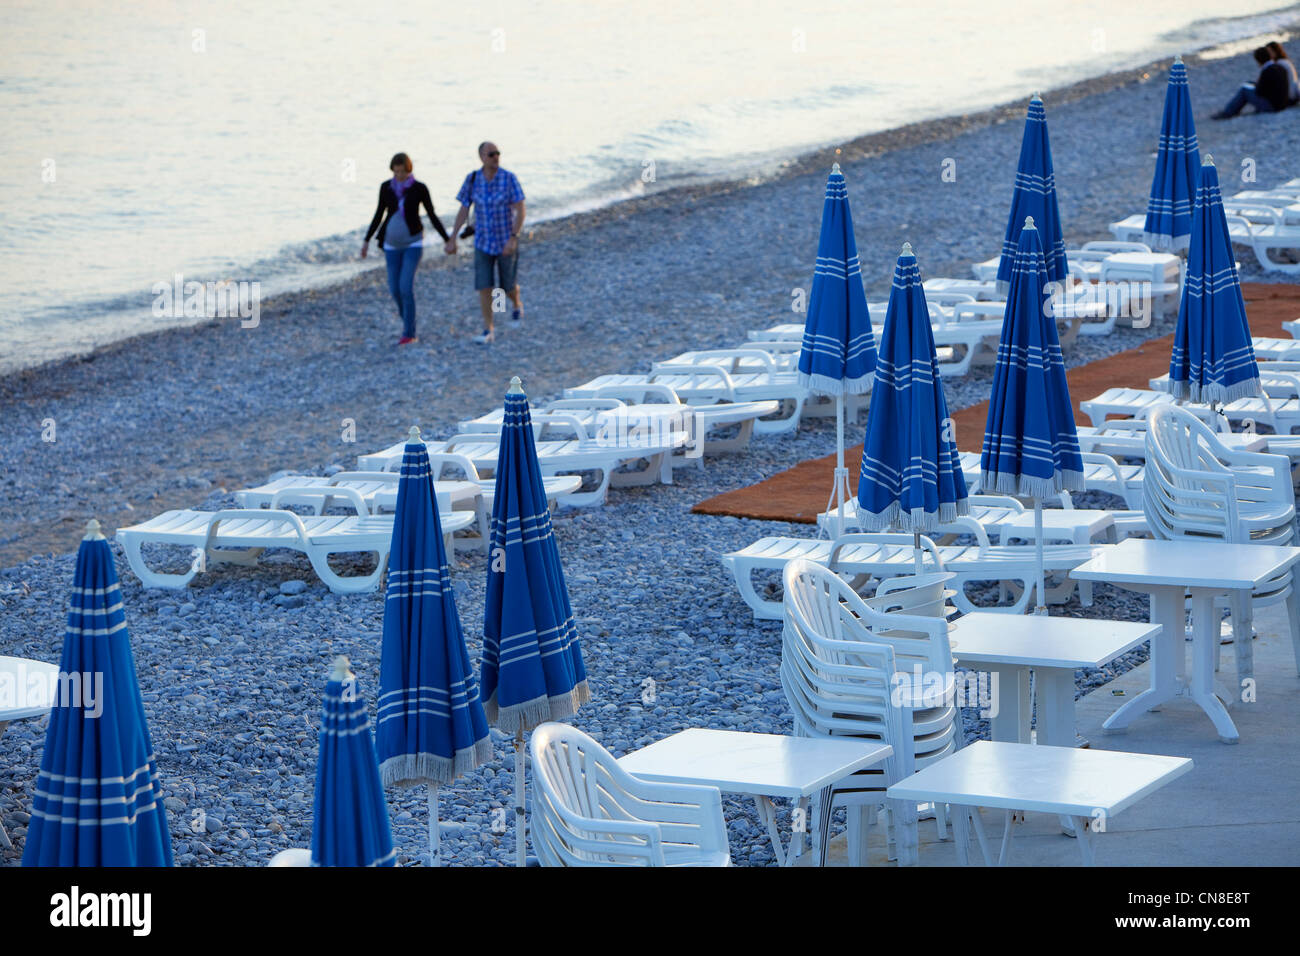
(495, 152)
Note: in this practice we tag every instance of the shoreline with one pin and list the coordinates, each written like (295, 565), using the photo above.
(869, 145)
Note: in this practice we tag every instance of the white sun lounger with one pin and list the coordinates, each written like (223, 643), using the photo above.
(890, 555)
(375, 491)
(607, 416)
(709, 383)
(958, 341)
(1265, 232)
(559, 457)
(239, 536)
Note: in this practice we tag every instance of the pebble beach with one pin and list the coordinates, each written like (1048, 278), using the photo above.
(232, 667)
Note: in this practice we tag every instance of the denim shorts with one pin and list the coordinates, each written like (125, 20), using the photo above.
(505, 267)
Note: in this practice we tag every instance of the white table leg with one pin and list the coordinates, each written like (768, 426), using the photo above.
(1243, 645)
(977, 822)
(1011, 722)
(1008, 828)
(1293, 615)
(767, 815)
(1087, 848)
(1205, 635)
(1055, 706)
(1167, 656)
(961, 833)
(797, 837)
(4, 836)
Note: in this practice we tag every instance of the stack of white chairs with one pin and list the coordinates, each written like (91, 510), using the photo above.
(849, 670)
(1198, 490)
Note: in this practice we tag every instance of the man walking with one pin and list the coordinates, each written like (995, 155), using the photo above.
(498, 219)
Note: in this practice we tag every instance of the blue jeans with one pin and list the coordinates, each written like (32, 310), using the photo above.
(1245, 96)
(401, 283)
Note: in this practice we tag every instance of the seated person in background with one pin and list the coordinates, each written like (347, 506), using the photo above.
(1270, 92)
(1280, 58)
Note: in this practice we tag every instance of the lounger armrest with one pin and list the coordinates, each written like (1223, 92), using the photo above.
(997, 501)
(872, 537)
(320, 493)
(696, 372)
(256, 514)
(976, 529)
(463, 462)
(387, 477)
(1106, 461)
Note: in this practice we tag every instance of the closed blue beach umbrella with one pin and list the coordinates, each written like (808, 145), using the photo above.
(1213, 359)
(1035, 195)
(911, 478)
(1031, 447)
(430, 727)
(350, 825)
(98, 798)
(839, 349)
(1178, 160)
(532, 669)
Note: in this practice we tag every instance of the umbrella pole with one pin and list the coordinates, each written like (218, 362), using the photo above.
(1041, 594)
(521, 849)
(841, 473)
(916, 550)
(435, 847)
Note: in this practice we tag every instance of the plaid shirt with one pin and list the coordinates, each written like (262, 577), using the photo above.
(492, 219)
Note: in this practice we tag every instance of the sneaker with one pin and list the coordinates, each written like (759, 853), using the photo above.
(1219, 115)
(407, 340)
(516, 315)
(487, 338)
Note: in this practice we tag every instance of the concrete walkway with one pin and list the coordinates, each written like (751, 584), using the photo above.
(1238, 806)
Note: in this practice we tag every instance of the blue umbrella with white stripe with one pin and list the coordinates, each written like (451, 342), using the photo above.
(350, 823)
(911, 476)
(1213, 358)
(430, 727)
(98, 799)
(1035, 195)
(1178, 159)
(839, 349)
(1031, 447)
(532, 669)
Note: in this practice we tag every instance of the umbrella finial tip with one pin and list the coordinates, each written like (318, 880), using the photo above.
(341, 668)
(92, 530)
(1029, 222)
(516, 386)
(1037, 97)
(835, 168)
(907, 249)
(1178, 58)
(1207, 160)
(413, 434)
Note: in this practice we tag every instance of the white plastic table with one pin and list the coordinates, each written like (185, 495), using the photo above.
(1088, 786)
(1009, 645)
(761, 766)
(25, 691)
(1167, 570)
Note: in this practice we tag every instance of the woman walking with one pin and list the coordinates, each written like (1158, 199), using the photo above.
(401, 236)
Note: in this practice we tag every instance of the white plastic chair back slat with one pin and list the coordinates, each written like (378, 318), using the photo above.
(589, 811)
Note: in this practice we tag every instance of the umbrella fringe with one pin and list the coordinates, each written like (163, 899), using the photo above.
(530, 713)
(409, 770)
(1031, 486)
(1162, 243)
(1204, 394)
(917, 519)
(825, 385)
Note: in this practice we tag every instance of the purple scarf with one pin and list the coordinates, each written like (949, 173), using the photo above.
(401, 186)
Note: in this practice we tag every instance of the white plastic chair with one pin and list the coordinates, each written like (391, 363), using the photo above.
(850, 670)
(589, 811)
(1197, 489)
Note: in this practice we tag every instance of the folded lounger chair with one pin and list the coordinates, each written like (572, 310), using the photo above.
(377, 491)
(240, 535)
(557, 457)
(867, 556)
(618, 411)
(709, 383)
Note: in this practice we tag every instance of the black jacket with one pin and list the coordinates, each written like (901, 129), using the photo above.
(416, 195)
(1274, 84)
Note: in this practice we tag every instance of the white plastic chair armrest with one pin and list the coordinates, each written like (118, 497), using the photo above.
(321, 492)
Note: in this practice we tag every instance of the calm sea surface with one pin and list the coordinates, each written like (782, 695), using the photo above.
(245, 140)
